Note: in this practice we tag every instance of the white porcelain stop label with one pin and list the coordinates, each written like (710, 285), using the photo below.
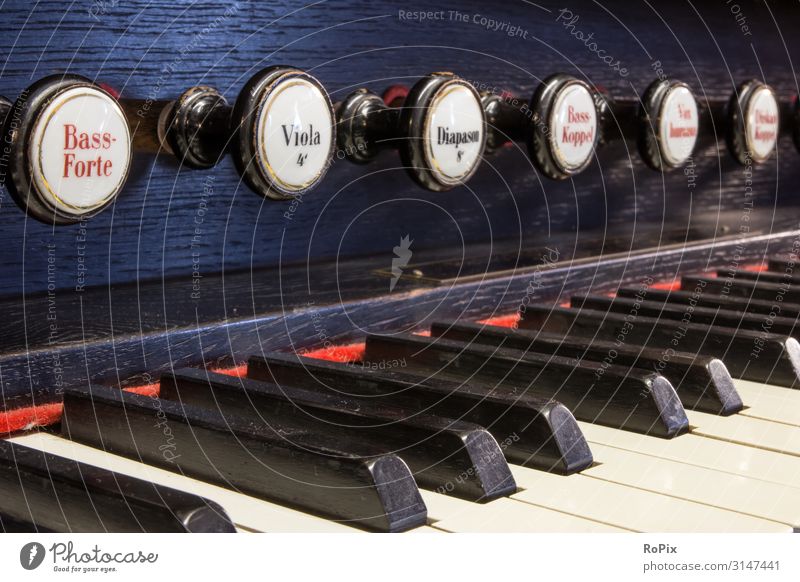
(80, 150)
(761, 123)
(573, 127)
(679, 125)
(455, 128)
(294, 133)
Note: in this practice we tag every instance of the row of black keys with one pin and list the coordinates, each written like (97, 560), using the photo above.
(343, 440)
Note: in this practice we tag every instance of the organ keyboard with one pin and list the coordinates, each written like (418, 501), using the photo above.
(502, 428)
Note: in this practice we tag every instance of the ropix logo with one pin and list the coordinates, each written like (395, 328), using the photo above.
(31, 555)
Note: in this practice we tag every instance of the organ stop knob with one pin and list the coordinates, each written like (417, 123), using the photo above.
(560, 126)
(753, 122)
(439, 130)
(668, 125)
(67, 149)
(284, 132)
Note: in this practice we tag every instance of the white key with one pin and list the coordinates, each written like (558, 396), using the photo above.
(724, 490)
(631, 508)
(754, 432)
(769, 402)
(703, 452)
(246, 512)
(503, 516)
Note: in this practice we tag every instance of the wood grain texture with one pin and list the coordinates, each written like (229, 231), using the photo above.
(157, 49)
(40, 374)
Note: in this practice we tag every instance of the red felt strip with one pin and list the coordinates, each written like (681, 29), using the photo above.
(239, 371)
(667, 285)
(346, 353)
(756, 268)
(29, 417)
(503, 320)
(146, 390)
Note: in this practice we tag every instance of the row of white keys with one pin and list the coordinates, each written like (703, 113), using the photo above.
(503, 515)
(745, 495)
(640, 492)
(701, 451)
(248, 513)
(548, 505)
(745, 430)
(768, 402)
(631, 508)
(445, 513)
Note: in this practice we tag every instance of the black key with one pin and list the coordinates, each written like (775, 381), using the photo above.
(776, 277)
(611, 395)
(450, 456)
(701, 383)
(695, 314)
(9, 524)
(726, 302)
(757, 356)
(47, 493)
(787, 263)
(741, 288)
(531, 431)
(281, 463)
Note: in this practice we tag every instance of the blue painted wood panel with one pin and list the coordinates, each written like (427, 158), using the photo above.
(157, 49)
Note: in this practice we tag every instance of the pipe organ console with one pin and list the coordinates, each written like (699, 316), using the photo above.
(580, 314)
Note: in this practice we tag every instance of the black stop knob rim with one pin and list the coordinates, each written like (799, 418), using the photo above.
(183, 122)
(492, 103)
(796, 122)
(352, 125)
